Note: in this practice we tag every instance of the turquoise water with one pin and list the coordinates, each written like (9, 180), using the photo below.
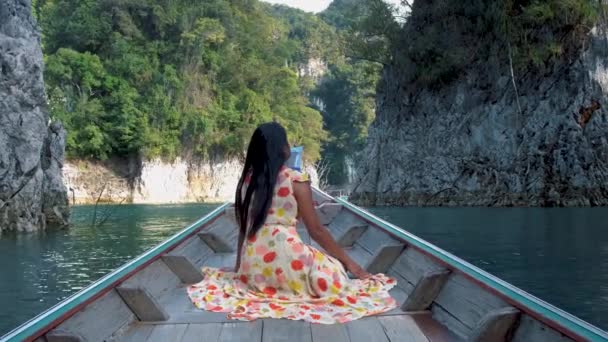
(559, 255)
(39, 270)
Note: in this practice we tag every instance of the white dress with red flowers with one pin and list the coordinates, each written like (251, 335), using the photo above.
(281, 277)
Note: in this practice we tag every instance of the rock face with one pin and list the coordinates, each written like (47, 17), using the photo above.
(155, 181)
(468, 143)
(31, 152)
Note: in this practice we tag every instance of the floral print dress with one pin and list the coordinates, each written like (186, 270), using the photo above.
(281, 277)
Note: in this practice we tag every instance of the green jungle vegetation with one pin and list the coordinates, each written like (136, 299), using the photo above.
(170, 78)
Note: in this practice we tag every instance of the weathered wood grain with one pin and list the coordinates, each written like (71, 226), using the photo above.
(141, 302)
(412, 265)
(98, 320)
(495, 325)
(135, 333)
(327, 212)
(286, 330)
(157, 278)
(217, 243)
(530, 329)
(466, 301)
(330, 333)
(237, 332)
(202, 332)
(458, 328)
(347, 236)
(222, 260)
(365, 330)
(221, 236)
(433, 330)
(426, 290)
(383, 258)
(374, 238)
(194, 249)
(63, 336)
(183, 268)
(167, 332)
(402, 328)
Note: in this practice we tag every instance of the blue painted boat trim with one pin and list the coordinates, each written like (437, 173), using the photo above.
(46, 318)
(521, 299)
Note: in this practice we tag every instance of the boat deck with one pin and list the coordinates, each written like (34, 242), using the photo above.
(146, 299)
(187, 323)
(403, 327)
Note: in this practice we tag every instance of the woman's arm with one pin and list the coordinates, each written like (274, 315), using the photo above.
(306, 210)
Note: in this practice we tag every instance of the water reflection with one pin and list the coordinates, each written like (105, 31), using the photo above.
(38, 270)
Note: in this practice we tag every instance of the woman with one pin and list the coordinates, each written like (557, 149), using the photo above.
(276, 274)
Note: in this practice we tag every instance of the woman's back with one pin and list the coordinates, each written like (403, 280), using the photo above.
(284, 207)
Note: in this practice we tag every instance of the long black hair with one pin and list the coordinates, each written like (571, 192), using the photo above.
(267, 152)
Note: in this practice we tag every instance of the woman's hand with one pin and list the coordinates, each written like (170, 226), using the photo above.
(358, 271)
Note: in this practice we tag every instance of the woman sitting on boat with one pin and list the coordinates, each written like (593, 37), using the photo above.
(276, 274)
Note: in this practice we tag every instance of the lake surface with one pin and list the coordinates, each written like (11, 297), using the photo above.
(557, 254)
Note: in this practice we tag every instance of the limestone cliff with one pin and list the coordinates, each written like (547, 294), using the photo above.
(155, 181)
(469, 142)
(31, 152)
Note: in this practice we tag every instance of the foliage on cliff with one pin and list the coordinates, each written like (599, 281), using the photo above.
(164, 77)
(348, 91)
(442, 38)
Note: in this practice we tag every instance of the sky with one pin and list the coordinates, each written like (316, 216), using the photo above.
(312, 5)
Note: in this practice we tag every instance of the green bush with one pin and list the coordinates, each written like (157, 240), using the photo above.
(164, 77)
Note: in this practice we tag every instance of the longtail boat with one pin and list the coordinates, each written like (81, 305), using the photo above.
(442, 297)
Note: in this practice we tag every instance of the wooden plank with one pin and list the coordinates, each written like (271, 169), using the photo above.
(411, 265)
(196, 316)
(330, 333)
(399, 295)
(384, 257)
(202, 332)
(136, 333)
(230, 215)
(530, 329)
(374, 238)
(495, 325)
(466, 301)
(319, 198)
(176, 302)
(63, 336)
(453, 324)
(433, 330)
(157, 279)
(216, 242)
(327, 212)
(345, 219)
(359, 255)
(220, 260)
(167, 332)
(237, 332)
(425, 292)
(194, 249)
(141, 302)
(221, 236)
(277, 330)
(100, 319)
(347, 236)
(402, 283)
(365, 330)
(183, 268)
(402, 328)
